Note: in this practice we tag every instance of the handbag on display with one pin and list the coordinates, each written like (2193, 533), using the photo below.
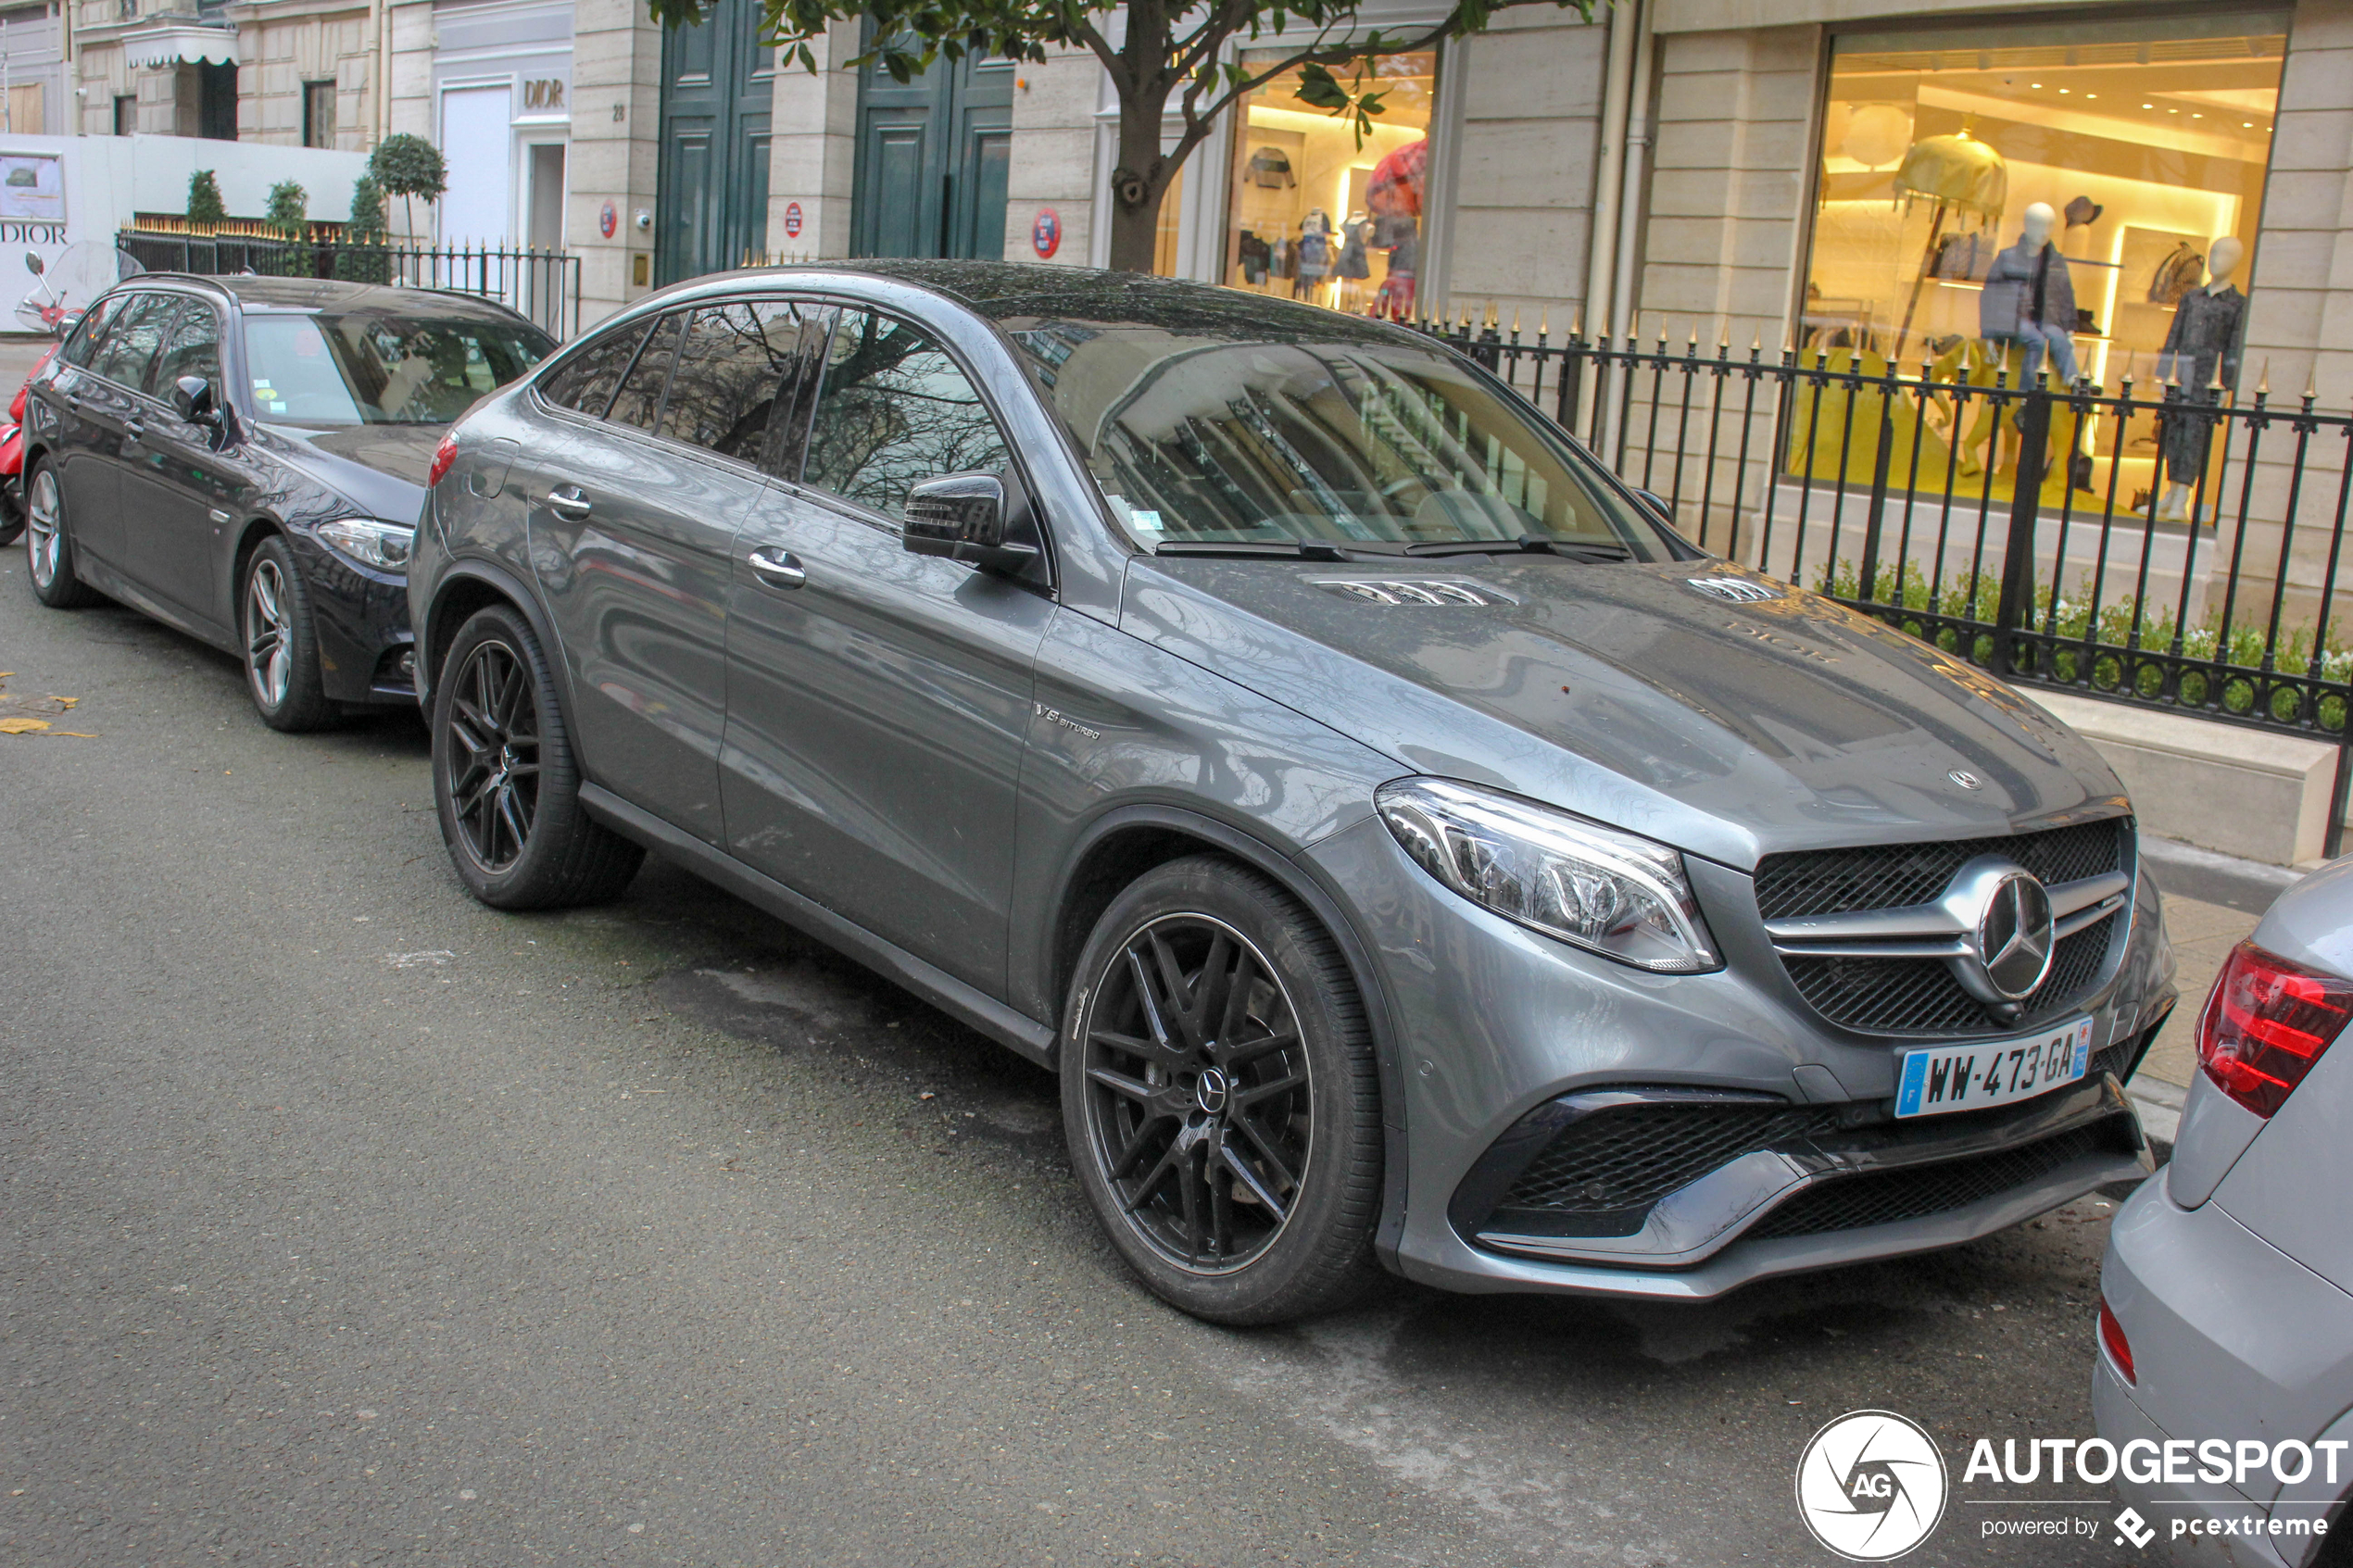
(1961, 256)
(2180, 270)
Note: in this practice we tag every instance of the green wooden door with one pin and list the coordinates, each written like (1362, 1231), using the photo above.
(718, 83)
(932, 159)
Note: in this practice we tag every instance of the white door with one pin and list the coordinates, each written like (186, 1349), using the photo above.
(474, 143)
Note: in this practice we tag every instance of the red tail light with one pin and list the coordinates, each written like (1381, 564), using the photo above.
(2266, 1023)
(2120, 1350)
(442, 456)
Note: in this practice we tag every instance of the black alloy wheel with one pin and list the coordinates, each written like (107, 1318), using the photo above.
(505, 781)
(493, 760)
(1221, 1096)
(1197, 1092)
(283, 668)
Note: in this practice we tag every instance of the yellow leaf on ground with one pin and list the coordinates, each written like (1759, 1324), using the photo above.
(68, 701)
(75, 734)
(13, 726)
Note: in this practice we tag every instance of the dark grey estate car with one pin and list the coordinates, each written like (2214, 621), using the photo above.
(1407, 851)
(245, 457)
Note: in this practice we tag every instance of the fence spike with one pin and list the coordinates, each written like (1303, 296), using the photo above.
(1577, 325)
(1515, 320)
(1545, 324)
(2262, 383)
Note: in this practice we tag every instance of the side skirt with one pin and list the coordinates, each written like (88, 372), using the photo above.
(1013, 1030)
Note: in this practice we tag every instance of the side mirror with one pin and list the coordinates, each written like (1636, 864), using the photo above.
(191, 396)
(963, 517)
(1657, 503)
(33, 263)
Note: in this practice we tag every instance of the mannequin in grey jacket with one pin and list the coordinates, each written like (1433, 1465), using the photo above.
(2030, 299)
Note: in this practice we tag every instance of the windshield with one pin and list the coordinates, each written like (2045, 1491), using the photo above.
(1375, 447)
(374, 367)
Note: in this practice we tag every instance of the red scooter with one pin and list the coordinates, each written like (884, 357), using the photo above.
(12, 460)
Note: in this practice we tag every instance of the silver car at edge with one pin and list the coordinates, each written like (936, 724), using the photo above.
(1409, 852)
(2226, 1310)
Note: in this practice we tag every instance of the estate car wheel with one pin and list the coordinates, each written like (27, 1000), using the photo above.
(48, 546)
(505, 781)
(1221, 1097)
(282, 645)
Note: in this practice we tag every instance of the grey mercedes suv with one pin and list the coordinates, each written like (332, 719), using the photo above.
(1407, 850)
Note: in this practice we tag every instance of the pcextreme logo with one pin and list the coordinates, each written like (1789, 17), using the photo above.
(1871, 1485)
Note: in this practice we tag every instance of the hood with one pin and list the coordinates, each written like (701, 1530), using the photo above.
(1634, 696)
(380, 468)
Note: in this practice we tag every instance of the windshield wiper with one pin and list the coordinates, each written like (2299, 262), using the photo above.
(1528, 544)
(1244, 549)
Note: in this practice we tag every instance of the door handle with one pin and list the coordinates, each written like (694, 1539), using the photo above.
(568, 502)
(134, 429)
(777, 567)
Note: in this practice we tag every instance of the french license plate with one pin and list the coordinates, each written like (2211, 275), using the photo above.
(1992, 1071)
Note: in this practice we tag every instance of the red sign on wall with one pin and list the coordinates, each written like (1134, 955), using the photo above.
(608, 221)
(792, 219)
(1046, 234)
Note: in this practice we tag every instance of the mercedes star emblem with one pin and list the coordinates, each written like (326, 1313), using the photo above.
(2013, 935)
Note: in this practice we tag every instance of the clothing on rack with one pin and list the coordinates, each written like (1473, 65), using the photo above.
(1254, 256)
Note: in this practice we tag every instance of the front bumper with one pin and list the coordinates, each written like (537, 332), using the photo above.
(2232, 1339)
(361, 619)
(1493, 1023)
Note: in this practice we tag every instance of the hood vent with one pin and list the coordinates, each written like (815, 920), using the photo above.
(1414, 590)
(1736, 590)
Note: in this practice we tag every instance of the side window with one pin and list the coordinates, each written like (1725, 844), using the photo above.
(133, 336)
(732, 367)
(894, 410)
(640, 400)
(84, 344)
(193, 349)
(586, 383)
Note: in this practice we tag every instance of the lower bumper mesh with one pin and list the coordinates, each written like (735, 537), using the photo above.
(1884, 1197)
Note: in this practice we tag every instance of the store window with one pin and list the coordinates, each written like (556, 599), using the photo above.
(2045, 198)
(1314, 214)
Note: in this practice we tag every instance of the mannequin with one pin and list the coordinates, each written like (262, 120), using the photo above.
(2202, 343)
(2028, 298)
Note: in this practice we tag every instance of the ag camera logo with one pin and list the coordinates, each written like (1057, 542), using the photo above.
(1871, 1485)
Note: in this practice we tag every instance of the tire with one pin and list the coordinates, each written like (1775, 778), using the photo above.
(505, 781)
(280, 642)
(1238, 1166)
(48, 544)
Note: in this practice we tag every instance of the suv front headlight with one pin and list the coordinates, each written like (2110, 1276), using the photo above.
(1612, 893)
(384, 546)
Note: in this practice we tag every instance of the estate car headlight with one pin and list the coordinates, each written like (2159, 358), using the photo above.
(1617, 895)
(384, 546)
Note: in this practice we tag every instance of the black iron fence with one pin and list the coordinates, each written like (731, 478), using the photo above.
(2167, 545)
(541, 284)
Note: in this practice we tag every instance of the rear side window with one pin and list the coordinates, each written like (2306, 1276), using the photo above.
(894, 410)
(731, 371)
(133, 336)
(586, 383)
(193, 348)
(640, 400)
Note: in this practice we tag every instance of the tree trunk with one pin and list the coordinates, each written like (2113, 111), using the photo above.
(1135, 226)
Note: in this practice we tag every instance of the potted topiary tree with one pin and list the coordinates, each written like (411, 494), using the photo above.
(408, 166)
(205, 209)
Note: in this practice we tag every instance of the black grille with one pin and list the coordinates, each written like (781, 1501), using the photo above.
(1920, 997)
(1611, 1166)
(1883, 1198)
(1889, 876)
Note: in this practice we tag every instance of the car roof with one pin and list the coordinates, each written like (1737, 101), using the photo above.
(1015, 294)
(329, 293)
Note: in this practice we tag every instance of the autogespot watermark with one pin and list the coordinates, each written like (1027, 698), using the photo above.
(1872, 1485)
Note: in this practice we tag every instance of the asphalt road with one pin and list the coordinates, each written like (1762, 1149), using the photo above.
(343, 1220)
